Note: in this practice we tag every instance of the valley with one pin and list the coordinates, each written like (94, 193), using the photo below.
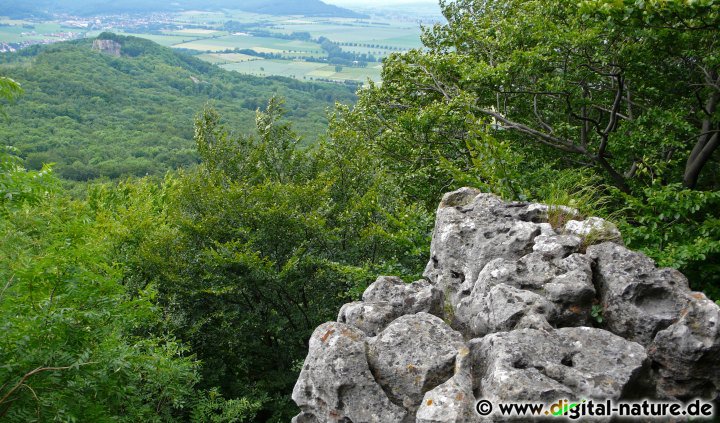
(309, 48)
(98, 116)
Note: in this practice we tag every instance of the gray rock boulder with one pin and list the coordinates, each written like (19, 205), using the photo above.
(412, 356)
(503, 308)
(406, 298)
(536, 365)
(472, 229)
(638, 299)
(505, 314)
(336, 385)
(452, 401)
(556, 246)
(688, 352)
(537, 291)
(389, 298)
(595, 230)
(370, 318)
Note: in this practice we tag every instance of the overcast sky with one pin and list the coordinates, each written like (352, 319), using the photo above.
(366, 3)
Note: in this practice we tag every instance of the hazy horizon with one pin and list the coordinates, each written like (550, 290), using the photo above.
(385, 4)
(346, 3)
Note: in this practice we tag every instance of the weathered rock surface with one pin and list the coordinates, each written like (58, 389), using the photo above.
(472, 229)
(413, 355)
(537, 291)
(453, 401)
(638, 299)
(336, 384)
(505, 312)
(108, 47)
(389, 298)
(594, 229)
(688, 352)
(532, 364)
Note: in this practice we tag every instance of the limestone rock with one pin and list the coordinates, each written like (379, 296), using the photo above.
(688, 352)
(505, 314)
(108, 47)
(537, 291)
(556, 246)
(536, 365)
(595, 230)
(389, 298)
(503, 308)
(336, 384)
(472, 229)
(406, 298)
(413, 355)
(453, 401)
(371, 318)
(639, 300)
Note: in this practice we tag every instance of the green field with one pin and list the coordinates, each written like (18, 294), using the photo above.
(16, 33)
(304, 70)
(165, 40)
(399, 35)
(201, 17)
(259, 44)
(225, 58)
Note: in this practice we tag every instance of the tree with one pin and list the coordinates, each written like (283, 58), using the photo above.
(684, 37)
(9, 89)
(510, 94)
(268, 239)
(547, 73)
(74, 346)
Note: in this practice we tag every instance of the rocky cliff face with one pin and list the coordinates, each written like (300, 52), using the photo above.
(108, 47)
(510, 309)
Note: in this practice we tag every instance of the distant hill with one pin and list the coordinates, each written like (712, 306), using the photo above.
(98, 115)
(44, 8)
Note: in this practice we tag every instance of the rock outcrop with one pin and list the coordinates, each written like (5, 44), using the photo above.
(509, 309)
(108, 47)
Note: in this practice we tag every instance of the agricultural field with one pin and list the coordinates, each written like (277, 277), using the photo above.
(402, 35)
(12, 31)
(276, 47)
(162, 39)
(309, 71)
(259, 44)
(226, 58)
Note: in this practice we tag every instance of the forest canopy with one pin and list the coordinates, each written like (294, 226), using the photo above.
(99, 116)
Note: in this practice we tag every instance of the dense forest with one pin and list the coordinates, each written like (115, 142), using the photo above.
(190, 296)
(95, 115)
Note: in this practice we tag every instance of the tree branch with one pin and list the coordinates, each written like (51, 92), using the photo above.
(544, 138)
(29, 374)
(539, 118)
(706, 143)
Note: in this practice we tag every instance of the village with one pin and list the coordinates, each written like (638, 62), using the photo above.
(16, 35)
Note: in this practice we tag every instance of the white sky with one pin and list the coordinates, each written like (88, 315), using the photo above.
(365, 3)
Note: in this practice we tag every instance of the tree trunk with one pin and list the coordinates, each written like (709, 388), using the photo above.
(706, 144)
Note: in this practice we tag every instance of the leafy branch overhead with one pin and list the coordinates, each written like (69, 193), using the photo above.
(569, 78)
